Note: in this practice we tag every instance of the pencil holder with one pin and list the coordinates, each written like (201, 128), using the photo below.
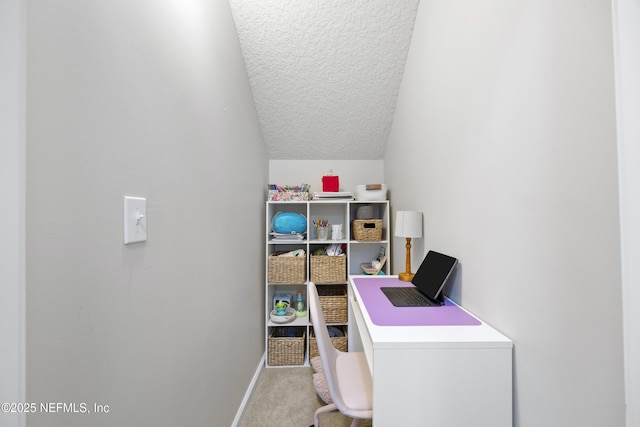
(323, 232)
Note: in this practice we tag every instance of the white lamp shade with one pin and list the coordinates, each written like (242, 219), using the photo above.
(408, 224)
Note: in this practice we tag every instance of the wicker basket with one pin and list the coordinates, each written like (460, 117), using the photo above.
(340, 343)
(284, 349)
(287, 269)
(328, 269)
(367, 230)
(333, 301)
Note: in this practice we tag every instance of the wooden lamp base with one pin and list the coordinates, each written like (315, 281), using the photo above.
(407, 276)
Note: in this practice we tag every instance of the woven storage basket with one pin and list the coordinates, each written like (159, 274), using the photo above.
(340, 343)
(328, 269)
(367, 230)
(285, 350)
(333, 301)
(287, 269)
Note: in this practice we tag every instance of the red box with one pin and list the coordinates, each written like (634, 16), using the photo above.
(330, 183)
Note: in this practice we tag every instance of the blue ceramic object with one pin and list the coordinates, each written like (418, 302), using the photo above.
(289, 222)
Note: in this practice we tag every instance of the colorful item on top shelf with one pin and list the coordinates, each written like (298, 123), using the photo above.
(330, 183)
(299, 193)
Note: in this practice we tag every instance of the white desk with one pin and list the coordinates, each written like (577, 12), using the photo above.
(453, 375)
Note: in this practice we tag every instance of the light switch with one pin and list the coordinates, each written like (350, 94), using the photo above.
(135, 219)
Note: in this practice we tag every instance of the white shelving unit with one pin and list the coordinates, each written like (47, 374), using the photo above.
(357, 252)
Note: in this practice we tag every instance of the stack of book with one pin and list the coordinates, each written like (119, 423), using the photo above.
(287, 236)
(324, 195)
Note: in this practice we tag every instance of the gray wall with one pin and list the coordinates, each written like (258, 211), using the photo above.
(148, 99)
(12, 170)
(626, 39)
(504, 136)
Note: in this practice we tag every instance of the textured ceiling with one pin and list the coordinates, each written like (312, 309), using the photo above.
(325, 74)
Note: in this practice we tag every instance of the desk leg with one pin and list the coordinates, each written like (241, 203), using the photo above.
(355, 339)
(359, 337)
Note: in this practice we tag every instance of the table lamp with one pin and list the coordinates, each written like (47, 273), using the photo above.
(408, 225)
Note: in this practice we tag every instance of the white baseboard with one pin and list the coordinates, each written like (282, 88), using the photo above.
(247, 394)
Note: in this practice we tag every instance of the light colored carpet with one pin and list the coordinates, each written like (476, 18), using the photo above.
(285, 397)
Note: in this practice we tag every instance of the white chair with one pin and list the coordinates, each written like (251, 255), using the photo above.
(347, 373)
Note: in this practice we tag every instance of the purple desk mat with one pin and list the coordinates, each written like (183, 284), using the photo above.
(383, 313)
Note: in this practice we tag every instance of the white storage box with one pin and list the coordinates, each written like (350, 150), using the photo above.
(362, 194)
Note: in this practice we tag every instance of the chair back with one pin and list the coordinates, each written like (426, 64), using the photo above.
(328, 353)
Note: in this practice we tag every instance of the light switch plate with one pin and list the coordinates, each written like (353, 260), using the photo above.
(135, 219)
